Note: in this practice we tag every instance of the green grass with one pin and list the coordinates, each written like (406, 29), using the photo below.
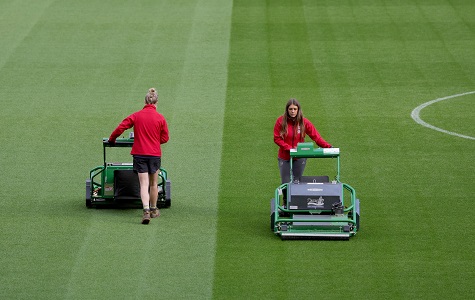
(71, 71)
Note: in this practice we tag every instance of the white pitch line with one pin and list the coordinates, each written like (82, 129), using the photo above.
(417, 118)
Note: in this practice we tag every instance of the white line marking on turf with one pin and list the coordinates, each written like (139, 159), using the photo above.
(417, 118)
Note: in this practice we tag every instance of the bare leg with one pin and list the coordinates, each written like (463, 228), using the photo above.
(153, 179)
(144, 195)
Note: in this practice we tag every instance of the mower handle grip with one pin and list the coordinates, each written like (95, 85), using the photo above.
(121, 142)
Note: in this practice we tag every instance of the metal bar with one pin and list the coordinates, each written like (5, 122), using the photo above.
(305, 234)
(353, 200)
(92, 176)
(316, 220)
(104, 146)
(338, 169)
(302, 210)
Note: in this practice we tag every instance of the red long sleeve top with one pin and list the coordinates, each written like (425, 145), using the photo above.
(150, 131)
(293, 137)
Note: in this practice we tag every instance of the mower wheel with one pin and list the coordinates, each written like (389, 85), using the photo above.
(357, 210)
(168, 191)
(357, 222)
(88, 193)
(272, 222)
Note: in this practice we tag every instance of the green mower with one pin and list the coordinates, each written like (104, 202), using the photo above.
(116, 184)
(315, 207)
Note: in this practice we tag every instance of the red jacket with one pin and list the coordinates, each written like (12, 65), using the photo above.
(293, 137)
(150, 131)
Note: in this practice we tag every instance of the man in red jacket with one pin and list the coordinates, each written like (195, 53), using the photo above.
(289, 130)
(150, 131)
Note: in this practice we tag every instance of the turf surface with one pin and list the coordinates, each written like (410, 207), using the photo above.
(70, 71)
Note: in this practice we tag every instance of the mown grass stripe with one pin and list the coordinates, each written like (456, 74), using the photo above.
(194, 153)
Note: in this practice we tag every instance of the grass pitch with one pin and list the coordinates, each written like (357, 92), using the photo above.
(70, 71)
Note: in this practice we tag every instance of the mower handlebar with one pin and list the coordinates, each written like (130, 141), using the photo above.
(121, 142)
(306, 150)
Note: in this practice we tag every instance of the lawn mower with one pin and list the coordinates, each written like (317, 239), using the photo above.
(313, 207)
(116, 184)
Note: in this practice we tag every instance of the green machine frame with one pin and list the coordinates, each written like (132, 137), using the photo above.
(100, 189)
(339, 222)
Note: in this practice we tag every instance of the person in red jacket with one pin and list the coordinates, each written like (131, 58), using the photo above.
(289, 130)
(150, 131)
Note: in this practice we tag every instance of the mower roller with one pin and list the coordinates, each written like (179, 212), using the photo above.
(116, 184)
(315, 207)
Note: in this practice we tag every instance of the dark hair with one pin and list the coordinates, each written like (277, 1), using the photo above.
(298, 119)
(151, 97)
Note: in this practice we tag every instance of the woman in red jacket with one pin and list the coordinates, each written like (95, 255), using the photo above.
(289, 130)
(150, 131)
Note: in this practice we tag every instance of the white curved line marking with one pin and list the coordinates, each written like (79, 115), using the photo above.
(416, 111)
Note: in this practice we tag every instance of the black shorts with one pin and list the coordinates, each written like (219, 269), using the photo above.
(147, 164)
